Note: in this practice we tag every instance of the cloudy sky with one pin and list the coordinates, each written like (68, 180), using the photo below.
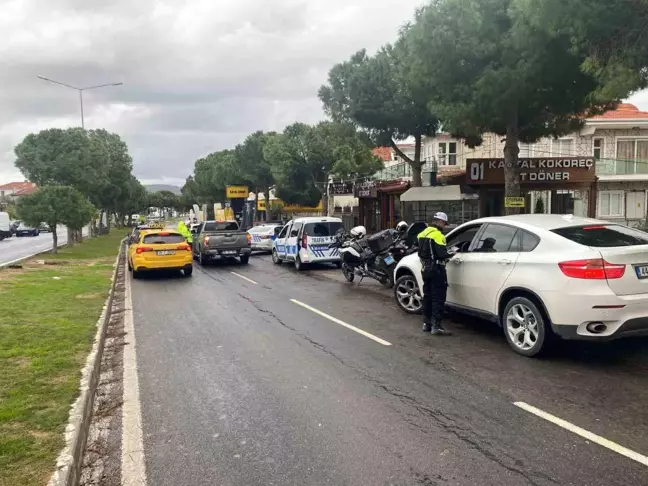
(199, 75)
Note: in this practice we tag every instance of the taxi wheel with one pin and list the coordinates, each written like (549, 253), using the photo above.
(275, 258)
(188, 271)
(136, 274)
(130, 267)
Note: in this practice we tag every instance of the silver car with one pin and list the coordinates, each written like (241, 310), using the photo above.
(262, 236)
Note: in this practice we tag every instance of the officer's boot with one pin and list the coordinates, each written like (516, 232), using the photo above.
(427, 327)
(438, 330)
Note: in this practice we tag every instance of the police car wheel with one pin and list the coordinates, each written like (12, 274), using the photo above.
(275, 258)
(298, 264)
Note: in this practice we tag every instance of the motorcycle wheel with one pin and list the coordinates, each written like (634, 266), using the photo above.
(348, 273)
(387, 282)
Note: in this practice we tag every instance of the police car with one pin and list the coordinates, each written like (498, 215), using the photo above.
(263, 235)
(307, 240)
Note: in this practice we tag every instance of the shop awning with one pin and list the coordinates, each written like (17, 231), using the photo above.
(432, 193)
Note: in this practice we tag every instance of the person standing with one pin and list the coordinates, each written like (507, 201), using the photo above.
(434, 254)
(184, 231)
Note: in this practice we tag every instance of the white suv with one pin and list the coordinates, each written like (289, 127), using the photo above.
(539, 275)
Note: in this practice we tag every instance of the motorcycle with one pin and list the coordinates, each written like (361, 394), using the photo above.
(376, 256)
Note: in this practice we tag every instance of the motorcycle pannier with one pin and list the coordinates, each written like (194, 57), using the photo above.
(380, 241)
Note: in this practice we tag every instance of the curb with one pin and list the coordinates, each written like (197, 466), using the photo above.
(70, 459)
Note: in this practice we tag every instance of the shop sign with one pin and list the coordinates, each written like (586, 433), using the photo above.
(293, 208)
(340, 188)
(533, 171)
(513, 202)
(234, 192)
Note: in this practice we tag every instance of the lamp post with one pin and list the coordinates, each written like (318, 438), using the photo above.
(80, 90)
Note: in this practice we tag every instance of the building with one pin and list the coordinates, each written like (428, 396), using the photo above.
(14, 190)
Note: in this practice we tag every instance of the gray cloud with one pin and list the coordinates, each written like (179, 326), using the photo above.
(198, 75)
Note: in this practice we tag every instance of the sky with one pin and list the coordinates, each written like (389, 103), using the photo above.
(198, 75)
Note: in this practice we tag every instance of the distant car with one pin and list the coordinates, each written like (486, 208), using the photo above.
(44, 228)
(6, 228)
(263, 236)
(540, 275)
(24, 230)
(159, 250)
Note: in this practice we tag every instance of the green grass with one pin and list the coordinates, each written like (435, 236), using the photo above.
(47, 328)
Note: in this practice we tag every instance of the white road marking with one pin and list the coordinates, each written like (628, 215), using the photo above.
(341, 323)
(597, 439)
(133, 468)
(244, 278)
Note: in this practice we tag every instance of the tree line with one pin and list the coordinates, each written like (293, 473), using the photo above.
(81, 175)
(297, 163)
(522, 69)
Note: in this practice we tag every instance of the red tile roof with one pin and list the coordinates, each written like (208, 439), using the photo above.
(385, 153)
(19, 188)
(623, 111)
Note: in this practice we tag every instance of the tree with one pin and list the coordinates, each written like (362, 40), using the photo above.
(252, 165)
(55, 205)
(382, 95)
(490, 70)
(539, 206)
(612, 36)
(304, 158)
(134, 200)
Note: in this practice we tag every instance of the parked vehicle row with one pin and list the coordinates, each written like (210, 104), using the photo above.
(10, 228)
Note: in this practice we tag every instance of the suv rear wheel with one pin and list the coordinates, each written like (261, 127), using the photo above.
(525, 327)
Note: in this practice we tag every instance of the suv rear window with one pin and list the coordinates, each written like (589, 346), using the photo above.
(604, 235)
(222, 226)
(158, 239)
(322, 229)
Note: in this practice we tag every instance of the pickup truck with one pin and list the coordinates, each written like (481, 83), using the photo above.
(221, 239)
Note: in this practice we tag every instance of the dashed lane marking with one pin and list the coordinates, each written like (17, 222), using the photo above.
(597, 439)
(341, 323)
(244, 278)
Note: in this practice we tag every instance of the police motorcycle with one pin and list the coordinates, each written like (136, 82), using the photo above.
(376, 256)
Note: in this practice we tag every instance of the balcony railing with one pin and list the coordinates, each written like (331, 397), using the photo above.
(402, 170)
(621, 167)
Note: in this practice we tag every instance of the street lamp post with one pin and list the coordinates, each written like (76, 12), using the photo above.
(80, 90)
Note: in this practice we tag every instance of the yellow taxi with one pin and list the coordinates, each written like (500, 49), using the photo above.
(160, 249)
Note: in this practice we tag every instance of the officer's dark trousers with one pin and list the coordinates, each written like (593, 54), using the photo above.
(435, 289)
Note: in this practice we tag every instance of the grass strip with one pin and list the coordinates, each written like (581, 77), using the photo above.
(47, 326)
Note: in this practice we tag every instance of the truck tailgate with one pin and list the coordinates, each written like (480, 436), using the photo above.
(228, 240)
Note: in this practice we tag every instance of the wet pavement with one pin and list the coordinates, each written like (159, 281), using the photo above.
(245, 379)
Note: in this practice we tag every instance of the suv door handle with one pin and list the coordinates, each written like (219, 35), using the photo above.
(505, 262)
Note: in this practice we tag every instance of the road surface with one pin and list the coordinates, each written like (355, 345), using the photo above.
(14, 248)
(259, 375)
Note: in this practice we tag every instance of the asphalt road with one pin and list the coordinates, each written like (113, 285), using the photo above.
(240, 385)
(14, 248)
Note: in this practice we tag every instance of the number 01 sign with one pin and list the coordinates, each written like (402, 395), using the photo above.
(476, 171)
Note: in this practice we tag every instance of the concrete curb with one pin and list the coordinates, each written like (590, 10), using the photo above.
(70, 460)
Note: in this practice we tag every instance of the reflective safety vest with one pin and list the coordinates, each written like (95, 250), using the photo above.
(433, 233)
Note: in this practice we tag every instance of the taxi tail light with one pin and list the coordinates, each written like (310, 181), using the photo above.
(143, 249)
(184, 247)
(304, 241)
(595, 269)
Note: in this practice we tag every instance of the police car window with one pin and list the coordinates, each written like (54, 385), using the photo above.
(283, 232)
(496, 238)
(328, 228)
(158, 239)
(295, 229)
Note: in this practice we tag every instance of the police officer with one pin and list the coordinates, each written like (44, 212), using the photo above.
(184, 231)
(434, 255)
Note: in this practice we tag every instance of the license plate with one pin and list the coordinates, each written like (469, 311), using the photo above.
(642, 271)
(228, 252)
(165, 252)
(389, 260)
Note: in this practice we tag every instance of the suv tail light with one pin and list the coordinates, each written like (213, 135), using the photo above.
(304, 241)
(143, 249)
(249, 238)
(596, 269)
(206, 240)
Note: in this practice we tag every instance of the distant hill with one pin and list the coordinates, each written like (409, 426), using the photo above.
(163, 187)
